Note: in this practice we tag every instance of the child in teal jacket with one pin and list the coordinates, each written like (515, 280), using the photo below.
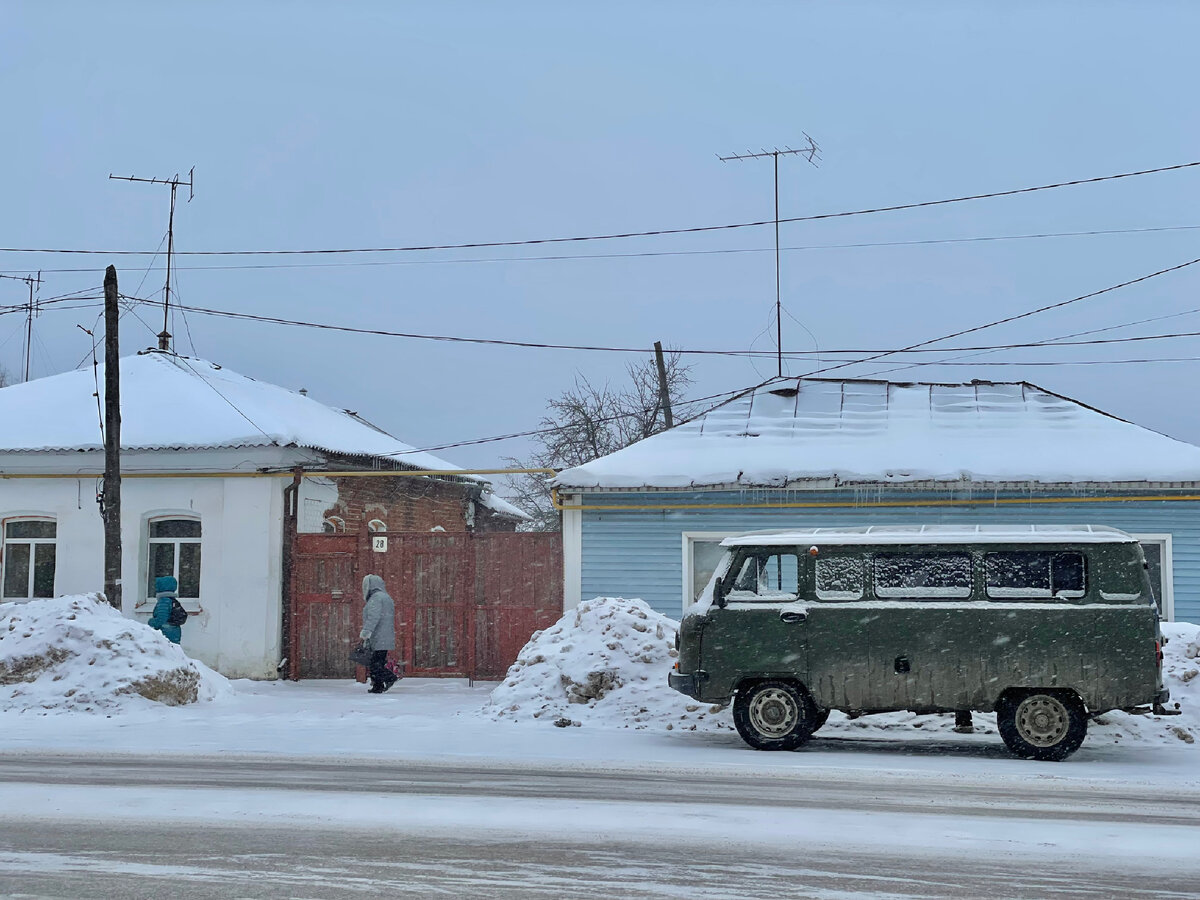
(165, 590)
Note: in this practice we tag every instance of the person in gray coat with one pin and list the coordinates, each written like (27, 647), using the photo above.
(378, 632)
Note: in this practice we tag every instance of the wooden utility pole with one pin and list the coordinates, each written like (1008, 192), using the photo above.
(110, 495)
(664, 395)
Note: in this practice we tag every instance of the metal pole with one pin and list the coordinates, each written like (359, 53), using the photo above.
(778, 302)
(110, 504)
(164, 339)
(29, 330)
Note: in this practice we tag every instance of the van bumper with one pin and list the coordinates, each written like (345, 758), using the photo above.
(685, 684)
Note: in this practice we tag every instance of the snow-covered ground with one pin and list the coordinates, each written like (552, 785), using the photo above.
(626, 715)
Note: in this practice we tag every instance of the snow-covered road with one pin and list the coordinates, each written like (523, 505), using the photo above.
(212, 826)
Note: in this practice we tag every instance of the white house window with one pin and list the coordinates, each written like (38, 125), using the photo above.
(174, 549)
(375, 526)
(29, 558)
(702, 553)
(334, 525)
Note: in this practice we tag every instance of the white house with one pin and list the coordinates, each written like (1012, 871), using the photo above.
(207, 456)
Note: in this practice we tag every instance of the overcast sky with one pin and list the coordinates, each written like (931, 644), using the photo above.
(322, 125)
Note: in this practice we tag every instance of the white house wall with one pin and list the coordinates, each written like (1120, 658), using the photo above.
(236, 629)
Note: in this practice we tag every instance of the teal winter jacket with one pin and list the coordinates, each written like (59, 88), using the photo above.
(165, 590)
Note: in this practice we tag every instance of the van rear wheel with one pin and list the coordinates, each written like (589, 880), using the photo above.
(1042, 725)
(774, 715)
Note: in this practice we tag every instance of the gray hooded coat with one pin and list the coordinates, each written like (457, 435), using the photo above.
(379, 615)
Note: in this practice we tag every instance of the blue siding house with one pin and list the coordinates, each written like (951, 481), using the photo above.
(647, 520)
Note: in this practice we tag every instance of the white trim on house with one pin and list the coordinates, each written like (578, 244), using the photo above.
(1167, 599)
(688, 540)
(572, 538)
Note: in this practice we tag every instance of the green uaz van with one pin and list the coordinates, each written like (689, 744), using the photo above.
(1046, 626)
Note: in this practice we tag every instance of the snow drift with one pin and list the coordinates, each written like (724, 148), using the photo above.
(79, 653)
(605, 664)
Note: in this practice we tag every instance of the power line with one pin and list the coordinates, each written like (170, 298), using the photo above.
(793, 354)
(536, 431)
(1049, 342)
(1007, 319)
(471, 245)
(642, 254)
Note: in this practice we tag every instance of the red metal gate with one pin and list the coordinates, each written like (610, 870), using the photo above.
(465, 603)
(326, 608)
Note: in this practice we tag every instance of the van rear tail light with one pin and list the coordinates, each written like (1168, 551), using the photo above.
(1158, 653)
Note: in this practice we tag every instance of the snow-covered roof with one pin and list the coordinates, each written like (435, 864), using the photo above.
(171, 402)
(937, 534)
(796, 430)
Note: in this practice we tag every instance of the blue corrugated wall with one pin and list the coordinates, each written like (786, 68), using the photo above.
(639, 553)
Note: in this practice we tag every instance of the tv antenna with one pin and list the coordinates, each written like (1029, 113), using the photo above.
(164, 337)
(32, 308)
(813, 154)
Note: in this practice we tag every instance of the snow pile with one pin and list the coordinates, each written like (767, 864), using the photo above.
(1181, 674)
(603, 663)
(78, 653)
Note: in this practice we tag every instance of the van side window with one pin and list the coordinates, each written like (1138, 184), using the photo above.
(937, 575)
(1035, 574)
(839, 577)
(767, 575)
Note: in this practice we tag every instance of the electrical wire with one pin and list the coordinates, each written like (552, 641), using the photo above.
(471, 245)
(1007, 319)
(536, 431)
(764, 354)
(653, 253)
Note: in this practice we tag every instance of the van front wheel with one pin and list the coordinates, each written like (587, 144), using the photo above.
(1046, 726)
(774, 715)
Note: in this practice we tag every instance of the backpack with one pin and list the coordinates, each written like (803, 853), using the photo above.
(178, 615)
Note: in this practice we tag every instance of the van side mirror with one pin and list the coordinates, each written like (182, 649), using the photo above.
(719, 595)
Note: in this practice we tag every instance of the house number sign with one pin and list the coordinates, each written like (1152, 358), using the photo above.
(379, 543)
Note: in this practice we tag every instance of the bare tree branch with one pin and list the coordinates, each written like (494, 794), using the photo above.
(588, 421)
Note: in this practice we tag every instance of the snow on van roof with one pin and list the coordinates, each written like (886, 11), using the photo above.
(172, 402)
(937, 534)
(792, 430)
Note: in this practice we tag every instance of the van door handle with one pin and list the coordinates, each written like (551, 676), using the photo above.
(792, 617)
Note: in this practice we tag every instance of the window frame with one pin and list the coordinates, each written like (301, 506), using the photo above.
(864, 558)
(746, 552)
(690, 538)
(32, 543)
(192, 604)
(1168, 569)
(1052, 597)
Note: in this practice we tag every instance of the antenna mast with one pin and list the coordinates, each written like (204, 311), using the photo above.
(812, 153)
(164, 337)
(32, 308)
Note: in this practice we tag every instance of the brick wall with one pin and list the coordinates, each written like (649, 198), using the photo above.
(405, 503)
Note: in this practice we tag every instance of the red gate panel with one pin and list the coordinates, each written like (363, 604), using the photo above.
(465, 603)
(327, 608)
(518, 590)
